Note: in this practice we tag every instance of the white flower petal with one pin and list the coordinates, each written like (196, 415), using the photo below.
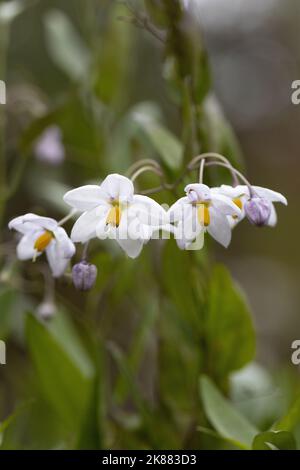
(21, 226)
(188, 229)
(270, 195)
(148, 211)
(273, 217)
(103, 230)
(118, 187)
(66, 245)
(233, 221)
(200, 190)
(219, 227)
(42, 222)
(29, 222)
(132, 247)
(85, 227)
(225, 205)
(57, 262)
(196, 244)
(178, 210)
(25, 247)
(86, 197)
(231, 191)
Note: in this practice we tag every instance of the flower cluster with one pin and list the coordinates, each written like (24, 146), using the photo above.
(113, 210)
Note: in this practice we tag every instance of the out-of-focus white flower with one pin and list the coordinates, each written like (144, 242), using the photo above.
(46, 310)
(112, 210)
(185, 3)
(41, 234)
(202, 210)
(49, 147)
(240, 195)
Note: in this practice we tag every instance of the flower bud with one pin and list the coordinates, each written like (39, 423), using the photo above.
(84, 275)
(46, 310)
(258, 211)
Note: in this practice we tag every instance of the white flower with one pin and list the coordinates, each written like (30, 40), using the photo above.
(240, 195)
(202, 210)
(112, 210)
(43, 234)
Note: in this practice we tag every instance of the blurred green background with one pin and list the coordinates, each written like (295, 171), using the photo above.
(161, 353)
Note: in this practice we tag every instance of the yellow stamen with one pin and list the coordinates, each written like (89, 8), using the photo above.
(114, 216)
(203, 214)
(43, 241)
(238, 202)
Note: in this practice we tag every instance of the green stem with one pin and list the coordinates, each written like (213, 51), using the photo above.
(3, 47)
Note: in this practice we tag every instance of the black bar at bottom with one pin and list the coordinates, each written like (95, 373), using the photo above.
(134, 459)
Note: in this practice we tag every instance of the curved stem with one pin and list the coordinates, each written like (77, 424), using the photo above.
(201, 170)
(193, 163)
(141, 170)
(67, 217)
(142, 21)
(143, 162)
(85, 251)
(49, 284)
(237, 173)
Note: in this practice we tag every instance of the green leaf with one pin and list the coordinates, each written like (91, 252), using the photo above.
(139, 345)
(226, 420)
(113, 61)
(65, 46)
(179, 280)
(7, 303)
(166, 144)
(156, 12)
(65, 371)
(291, 419)
(228, 326)
(274, 440)
(9, 421)
(219, 134)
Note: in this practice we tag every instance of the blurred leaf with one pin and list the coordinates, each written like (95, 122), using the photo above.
(127, 375)
(65, 371)
(228, 326)
(179, 357)
(8, 422)
(156, 12)
(139, 345)
(65, 46)
(219, 134)
(90, 436)
(114, 59)
(291, 419)
(224, 417)
(179, 279)
(167, 145)
(49, 192)
(274, 440)
(7, 303)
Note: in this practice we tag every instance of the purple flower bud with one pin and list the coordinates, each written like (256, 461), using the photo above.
(258, 211)
(84, 275)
